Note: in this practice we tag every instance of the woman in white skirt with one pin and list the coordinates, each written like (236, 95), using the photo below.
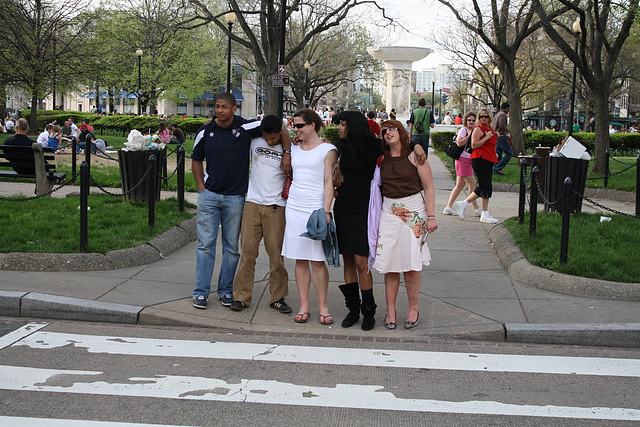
(407, 216)
(311, 189)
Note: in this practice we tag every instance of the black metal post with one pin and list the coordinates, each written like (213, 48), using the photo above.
(306, 87)
(607, 171)
(229, 60)
(74, 155)
(523, 190)
(283, 29)
(433, 96)
(165, 169)
(87, 151)
(84, 204)
(573, 93)
(139, 84)
(495, 93)
(152, 190)
(533, 201)
(440, 107)
(181, 169)
(566, 214)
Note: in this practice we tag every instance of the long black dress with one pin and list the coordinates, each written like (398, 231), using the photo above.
(352, 202)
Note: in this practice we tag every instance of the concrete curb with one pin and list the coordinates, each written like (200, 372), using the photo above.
(521, 270)
(626, 335)
(158, 248)
(34, 304)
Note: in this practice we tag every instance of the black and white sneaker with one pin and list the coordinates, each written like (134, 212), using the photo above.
(200, 301)
(281, 306)
(226, 300)
(237, 306)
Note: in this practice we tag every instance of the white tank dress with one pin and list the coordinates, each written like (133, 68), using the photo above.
(305, 196)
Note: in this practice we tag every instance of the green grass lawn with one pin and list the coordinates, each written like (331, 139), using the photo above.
(53, 225)
(626, 181)
(600, 250)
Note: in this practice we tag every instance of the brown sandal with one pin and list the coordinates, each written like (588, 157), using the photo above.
(324, 317)
(300, 317)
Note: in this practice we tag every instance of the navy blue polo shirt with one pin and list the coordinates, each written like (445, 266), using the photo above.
(225, 152)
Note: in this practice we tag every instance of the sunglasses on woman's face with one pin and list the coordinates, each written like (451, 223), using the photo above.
(483, 117)
(471, 120)
(301, 125)
(390, 129)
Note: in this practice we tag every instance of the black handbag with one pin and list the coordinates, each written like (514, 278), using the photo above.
(453, 150)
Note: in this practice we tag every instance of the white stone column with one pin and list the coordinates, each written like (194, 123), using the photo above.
(398, 61)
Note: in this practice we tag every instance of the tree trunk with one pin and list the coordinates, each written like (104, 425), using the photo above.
(3, 101)
(515, 113)
(602, 140)
(33, 118)
(271, 97)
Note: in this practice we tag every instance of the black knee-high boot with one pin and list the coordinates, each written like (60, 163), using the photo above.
(368, 308)
(352, 301)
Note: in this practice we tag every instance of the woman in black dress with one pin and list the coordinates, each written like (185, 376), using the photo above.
(358, 151)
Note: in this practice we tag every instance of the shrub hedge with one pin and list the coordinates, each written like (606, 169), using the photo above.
(619, 141)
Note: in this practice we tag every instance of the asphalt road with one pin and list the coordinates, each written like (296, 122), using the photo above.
(76, 372)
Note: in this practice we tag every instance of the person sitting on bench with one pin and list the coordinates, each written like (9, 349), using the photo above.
(20, 139)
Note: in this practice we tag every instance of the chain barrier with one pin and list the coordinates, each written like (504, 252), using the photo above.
(132, 189)
(48, 193)
(167, 178)
(105, 156)
(593, 202)
(542, 196)
(623, 163)
(611, 174)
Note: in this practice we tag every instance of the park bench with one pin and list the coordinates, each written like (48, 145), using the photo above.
(23, 157)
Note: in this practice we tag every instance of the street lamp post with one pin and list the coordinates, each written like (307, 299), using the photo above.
(576, 29)
(306, 84)
(433, 92)
(440, 107)
(97, 85)
(139, 53)
(283, 30)
(496, 102)
(229, 18)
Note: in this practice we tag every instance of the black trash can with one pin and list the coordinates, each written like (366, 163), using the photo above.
(133, 165)
(558, 168)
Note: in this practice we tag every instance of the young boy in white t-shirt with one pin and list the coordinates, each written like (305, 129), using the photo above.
(263, 217)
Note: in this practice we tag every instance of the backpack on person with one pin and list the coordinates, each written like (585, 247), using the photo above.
(453, 150)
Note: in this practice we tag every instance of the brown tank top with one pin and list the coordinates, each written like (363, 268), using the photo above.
(399, 177)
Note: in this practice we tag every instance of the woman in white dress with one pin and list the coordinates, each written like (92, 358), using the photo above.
(311, 189)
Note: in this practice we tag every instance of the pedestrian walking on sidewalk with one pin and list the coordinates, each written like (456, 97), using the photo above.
(464, 170)
(407, 218)
(504, 151)
(483, 142)
(263, 217)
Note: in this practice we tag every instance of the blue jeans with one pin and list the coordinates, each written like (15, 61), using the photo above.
(503, 147)
(423, 140)
(215, 210)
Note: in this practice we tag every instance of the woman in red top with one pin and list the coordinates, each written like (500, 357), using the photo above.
(483, 142)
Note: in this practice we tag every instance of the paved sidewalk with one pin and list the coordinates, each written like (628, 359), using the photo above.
(467, 293)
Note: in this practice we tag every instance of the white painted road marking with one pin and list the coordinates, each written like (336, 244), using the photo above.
(275, 392)
(49, 422)
(337, 356)
(24, 331)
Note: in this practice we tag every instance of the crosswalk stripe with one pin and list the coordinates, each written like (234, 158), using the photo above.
(24, 331)
(51, 422)
(276, 392)
(337, 356)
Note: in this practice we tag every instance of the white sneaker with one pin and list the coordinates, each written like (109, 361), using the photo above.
(478, 212)
(459, 207)
(488, 218)
(449, 211)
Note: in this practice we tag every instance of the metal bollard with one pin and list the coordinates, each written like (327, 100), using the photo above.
(523, 189)
(84, 204)
(566, 209)
(152, 190)
(181, 169)
(607, 171)
(87, 152)
(533, 201)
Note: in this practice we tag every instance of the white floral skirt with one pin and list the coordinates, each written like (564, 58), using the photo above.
(402, 244)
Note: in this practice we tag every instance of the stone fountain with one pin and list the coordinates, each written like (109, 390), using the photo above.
(397, 76)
